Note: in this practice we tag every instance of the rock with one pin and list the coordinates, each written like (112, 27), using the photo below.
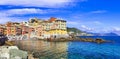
(17, 57)
(90, 39)
(12, 52)
(98, 40)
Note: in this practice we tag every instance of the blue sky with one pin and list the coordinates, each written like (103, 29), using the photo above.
(87, 15)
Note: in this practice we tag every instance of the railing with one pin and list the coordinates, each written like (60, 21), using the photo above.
(20, 37)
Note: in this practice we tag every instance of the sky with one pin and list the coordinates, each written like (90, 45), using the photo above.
(88, 15)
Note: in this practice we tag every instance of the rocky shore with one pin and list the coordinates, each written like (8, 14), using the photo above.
(12, 52)
(62, 39)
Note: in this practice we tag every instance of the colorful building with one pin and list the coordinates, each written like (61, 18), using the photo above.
(2, 29)
(36, 27)
(25, 29)
(13, 28)
(58, 27)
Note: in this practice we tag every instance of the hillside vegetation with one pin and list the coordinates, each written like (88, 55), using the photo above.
(75, 30)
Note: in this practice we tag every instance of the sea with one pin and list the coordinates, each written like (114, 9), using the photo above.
(88, 50)
(75, 49)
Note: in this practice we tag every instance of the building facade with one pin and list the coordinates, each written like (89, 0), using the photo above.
(36, 27)
(13, 28)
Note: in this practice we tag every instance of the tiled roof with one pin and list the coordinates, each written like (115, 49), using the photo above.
(52, 19)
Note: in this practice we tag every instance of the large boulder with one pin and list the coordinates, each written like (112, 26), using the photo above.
(12, 52)
(18, 54)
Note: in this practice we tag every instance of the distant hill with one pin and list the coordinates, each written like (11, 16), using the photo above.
(105, 34)
(75, 30)
(112, 34)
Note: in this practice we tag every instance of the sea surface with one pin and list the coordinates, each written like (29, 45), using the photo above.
(73, 50)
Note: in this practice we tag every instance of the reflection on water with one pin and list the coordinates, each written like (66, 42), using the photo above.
(45, 50)
(70, 50)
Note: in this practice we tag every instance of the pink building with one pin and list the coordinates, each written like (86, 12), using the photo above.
(39, 30)
(25, 30)
(13, 28)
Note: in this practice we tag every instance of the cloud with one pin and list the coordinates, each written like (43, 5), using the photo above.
(85, 28)
(3, 20)
(9, 14)
(97, 22)
(24, 11)
(38, 3)
(115, 30)
(72, 23)
(98, 12)
(5, 15)
(20, 14)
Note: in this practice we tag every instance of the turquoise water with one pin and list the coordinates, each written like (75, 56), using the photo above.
(87, 50)
(74, 50)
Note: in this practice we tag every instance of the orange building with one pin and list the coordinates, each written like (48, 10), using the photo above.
(2, 29)
(13, 28)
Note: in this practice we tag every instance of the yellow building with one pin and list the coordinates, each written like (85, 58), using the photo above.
(5, 31)
(58, 27)
(47, 28)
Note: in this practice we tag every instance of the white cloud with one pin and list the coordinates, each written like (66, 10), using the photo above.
(3, 20)
(37, 3)
(72, 23)
(5, 14)
(116, 28)
(86, 28)
(97, 22)
(40, 3)
(26, 11)
(10, 14)
(23, 11)
(98, 11)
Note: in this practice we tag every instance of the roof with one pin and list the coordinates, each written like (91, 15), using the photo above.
(61, 20)
(52, 19)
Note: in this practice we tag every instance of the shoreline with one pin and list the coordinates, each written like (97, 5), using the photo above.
(92, 40)
(96, 40)
(30, 54)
